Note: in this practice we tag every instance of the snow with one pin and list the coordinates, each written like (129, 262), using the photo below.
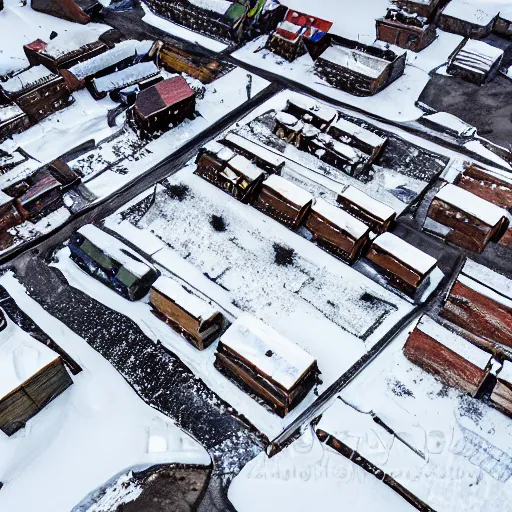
(123, 491)
(273, 354)
(359, 133)
(483, 210)
(246, 167)
(318, 109)
(261, 152)
(452, 123)
(289, 120)
(288, 190)
(97, 428)
(355, 60)
(477, 12)
(60, 46)
(9, 112)
(380, 210)
(21, 357)
(506, 372)
(27, 78)
(455, 343)
(125, 77)
(485, 290)
(218, 6)
(340, 218)
(146, 241)
(405, 252)
(488, 277)
(477, 56)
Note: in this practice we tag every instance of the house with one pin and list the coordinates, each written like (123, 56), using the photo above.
(198, 322)
(57, 55)
(406, 267)
(284, 201)
(259, 155)
(145, 74)
(405, 29)
(266, 364)
(311, 112)
(468, 18)
(423, 8)
(32, 376)
(475, 61)
(66, 176)
(43, 196)
(38, 92)
(12, 120)
(110, 261)
(359, 69)
(336, 230)
(288, 128)
(503, 25)
(233, 173)
(299, 34)
(164, 105)
(373, 213)
(465, 219)
(449, 357)
(79, 11)
(501, 395)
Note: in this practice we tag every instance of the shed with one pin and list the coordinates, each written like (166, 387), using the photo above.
(337, 231)
(284, 201)
(79, 11)
(110, 261)
(468, 18)
(164, 105)
(465, 219)
(66, 176)
(32, 376)
(311, 112)
(265, 363)
(501, 395)
(196, 320)
(373, 213)
(288, 128)
(44, 195)
(12, 120)
(448, 356)
(405, 266)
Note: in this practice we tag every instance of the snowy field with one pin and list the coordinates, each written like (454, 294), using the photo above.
(97, 428)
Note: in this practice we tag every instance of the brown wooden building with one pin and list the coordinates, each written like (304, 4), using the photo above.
(337, 231)
(66, 176)
(266, 364)
(448, 356)
(501, 395)
(468, 19)
(311, 112)
(284, 201)
(503, 25)
(43, 196)
(79, 11)
(406, 267)
(12, 120)
(424, 8)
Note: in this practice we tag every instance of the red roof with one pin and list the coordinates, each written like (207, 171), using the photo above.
(306, 20)
(38, 45)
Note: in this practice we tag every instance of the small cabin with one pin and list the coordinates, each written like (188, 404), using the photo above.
(373, 213)
(406, 267)
(259, 155)
(465, 219)
(406, 30)
(311, 112)
(198, 322)
(284, 201)
(12, 121)
(501, 395)
(358, 137)
(266, 364)
(110, 261)
(337, 231)
(164, 105)
(32, 376)
(468, 18)
(475, 61)
(299, 34)
(66, 176)
(79, 11)
(359, 69)
(446, 355)
(43, 196)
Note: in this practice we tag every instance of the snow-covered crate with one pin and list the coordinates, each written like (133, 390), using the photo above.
(448, 356)
(468, 18)
(110, 261)
(501, 395)
(266, 364)
(284, 201)
(406, 267)
(373, 213)
(337, 231)
(197, 321)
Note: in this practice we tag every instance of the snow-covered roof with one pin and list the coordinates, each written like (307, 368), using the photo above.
(340, 218)
(197, 307)
(472, 204)
(506, 372)
(60, 46)
(451, 123)
(118, 251)
(320, 110)
(472, 11)
(240, 163)
(9, 112)
(21, 357)
(5, 199)
(255, 149)
(353, 155)
(455, 343)
(359, 132)
(31, 76)
(405, 252)
(289, 120)
(484, 290)
(125, 77)
(285, 363)
(355, 60)
(477, 56)
(289, 190)
(222, 152)
(376, 208)
(120, 52)
(490, 278)
(218, 6)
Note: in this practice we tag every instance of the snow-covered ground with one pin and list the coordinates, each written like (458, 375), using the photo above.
(96, 429)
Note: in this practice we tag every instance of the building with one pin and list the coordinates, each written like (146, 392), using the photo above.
(448, 356)
(110, 261)
(311, 112)
(503, 25)
(266, 364)
(359, 69)
(501, 395)
(12, 121)
(409, 31)
(424, 8)
(299, 34)
(79, 11)
(288, 128)
(196, 320)
(164, 105)
(373, 213)
(468, 18)
(32, 376)
(475, 61)
(66, 176)
(465, 219)
(284, 201)
(337, 231)
(43, 196)
(407, 268)
(10, 217)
